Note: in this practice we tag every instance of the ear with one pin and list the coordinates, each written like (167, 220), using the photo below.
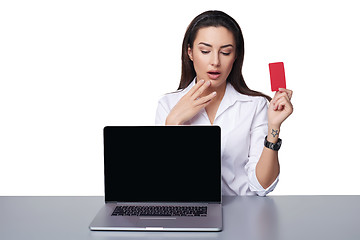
(190, 53)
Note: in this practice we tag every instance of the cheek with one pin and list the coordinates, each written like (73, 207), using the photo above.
(229, 64)
(199, 62)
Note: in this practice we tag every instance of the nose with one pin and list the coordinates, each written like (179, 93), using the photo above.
(215, 60)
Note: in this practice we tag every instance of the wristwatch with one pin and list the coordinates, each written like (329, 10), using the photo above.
(273, 146)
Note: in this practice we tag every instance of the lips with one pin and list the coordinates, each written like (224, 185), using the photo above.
(213, 74)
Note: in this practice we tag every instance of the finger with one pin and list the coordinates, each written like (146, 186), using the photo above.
(277, 102)
(278, 96)
(196, 87)
(281, 95)
(288, 92)
(205, 100)
(279, 106)
(282, 104)
(200, 90)
(285, 106)
(282, 100)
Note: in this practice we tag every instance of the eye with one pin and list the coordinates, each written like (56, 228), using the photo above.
(225, 53)
(204, 52)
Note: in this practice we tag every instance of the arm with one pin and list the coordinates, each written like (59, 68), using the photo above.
(268, 167)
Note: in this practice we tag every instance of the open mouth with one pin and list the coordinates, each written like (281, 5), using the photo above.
(213, 74)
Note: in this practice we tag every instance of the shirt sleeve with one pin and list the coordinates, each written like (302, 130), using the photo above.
(258, 131)
(161, 113)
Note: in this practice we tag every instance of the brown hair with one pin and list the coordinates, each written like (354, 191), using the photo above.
(216, 19)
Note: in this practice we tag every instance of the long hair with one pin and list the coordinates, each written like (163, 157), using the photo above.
(216, 19)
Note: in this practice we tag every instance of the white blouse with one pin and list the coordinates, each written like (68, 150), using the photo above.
(243, 123)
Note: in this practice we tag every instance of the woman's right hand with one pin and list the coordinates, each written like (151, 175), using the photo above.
(190, 104)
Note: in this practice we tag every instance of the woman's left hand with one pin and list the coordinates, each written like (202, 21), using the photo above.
(280, 107)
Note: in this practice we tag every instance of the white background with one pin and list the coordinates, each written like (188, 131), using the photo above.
(69, 68)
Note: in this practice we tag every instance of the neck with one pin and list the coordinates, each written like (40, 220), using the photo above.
(220, 92)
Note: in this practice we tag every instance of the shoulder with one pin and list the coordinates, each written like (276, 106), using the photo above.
(170, 99)
(259, 106)
(259, 100)
(259, 103)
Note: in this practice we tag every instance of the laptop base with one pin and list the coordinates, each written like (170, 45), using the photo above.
(105, 222)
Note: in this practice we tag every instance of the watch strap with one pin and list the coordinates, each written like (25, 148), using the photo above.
(273, 146)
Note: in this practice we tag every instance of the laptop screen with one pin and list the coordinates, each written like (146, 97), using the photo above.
(162, 164)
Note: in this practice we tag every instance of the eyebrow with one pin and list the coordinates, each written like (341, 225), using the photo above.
(209, 45)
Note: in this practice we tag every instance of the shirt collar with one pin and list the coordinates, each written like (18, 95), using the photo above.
(231, 96)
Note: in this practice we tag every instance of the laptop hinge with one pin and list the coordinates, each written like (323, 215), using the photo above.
(115, 202)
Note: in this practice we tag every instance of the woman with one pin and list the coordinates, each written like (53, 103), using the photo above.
(212, 90)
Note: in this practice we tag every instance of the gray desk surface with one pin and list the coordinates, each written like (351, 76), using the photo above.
(275, 217)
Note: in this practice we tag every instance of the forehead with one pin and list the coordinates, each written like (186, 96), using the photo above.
(216, 36)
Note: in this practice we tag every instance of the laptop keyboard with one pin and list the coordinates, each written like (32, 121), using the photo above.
(160, 211)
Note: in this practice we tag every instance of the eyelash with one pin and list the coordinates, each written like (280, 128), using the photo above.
(206, 52)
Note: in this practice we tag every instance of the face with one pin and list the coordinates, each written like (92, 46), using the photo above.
(213, 54)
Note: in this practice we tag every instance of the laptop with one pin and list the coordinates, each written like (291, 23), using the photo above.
(161, 178)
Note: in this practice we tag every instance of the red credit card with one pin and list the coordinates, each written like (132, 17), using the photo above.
(277, 76)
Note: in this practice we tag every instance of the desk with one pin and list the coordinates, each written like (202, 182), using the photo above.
(273, 217)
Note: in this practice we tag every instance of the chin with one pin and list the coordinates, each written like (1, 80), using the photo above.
(216, 83)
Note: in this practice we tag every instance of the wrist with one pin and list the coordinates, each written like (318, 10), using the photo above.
(171, 121)
(273, 145)
(274, 125)
(273, 133)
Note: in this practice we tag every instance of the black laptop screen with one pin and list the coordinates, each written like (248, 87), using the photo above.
(162, 164)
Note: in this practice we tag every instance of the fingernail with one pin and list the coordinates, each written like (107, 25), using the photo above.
(208, 83)
(202, 80)
(214, 93)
